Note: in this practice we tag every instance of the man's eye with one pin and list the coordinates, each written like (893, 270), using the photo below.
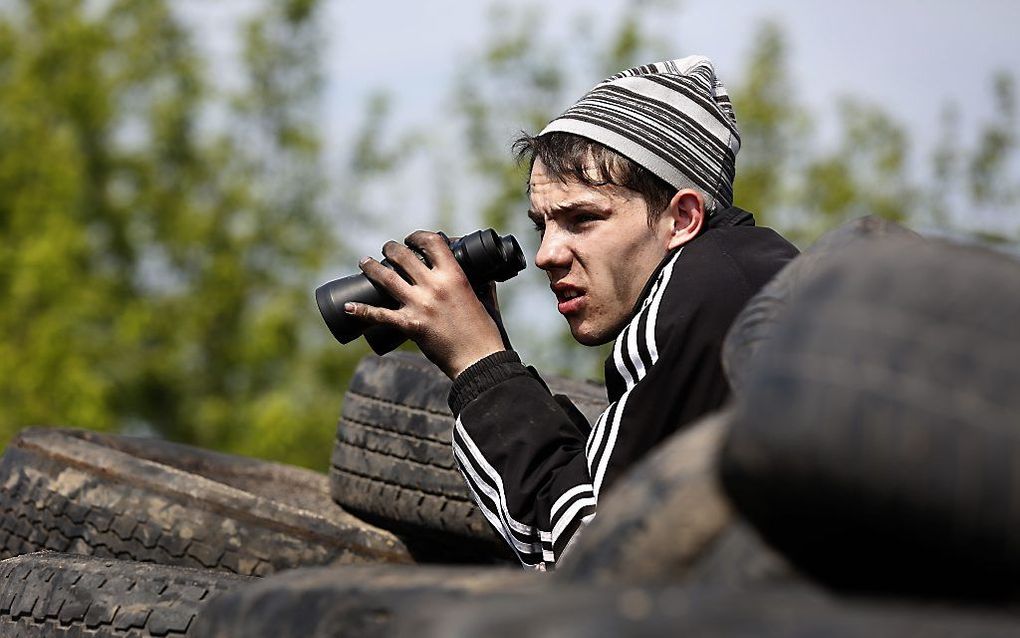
(539, 226)
(584, 218)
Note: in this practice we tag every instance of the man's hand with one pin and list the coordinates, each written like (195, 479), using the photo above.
(439, 309)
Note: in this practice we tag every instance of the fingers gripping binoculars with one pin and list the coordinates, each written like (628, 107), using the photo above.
(484, 256)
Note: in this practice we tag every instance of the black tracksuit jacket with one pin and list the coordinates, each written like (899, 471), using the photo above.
(535, 466)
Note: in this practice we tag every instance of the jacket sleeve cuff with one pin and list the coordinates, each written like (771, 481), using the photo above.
(482, 375)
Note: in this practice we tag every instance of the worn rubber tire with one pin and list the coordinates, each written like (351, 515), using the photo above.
(154, 501)
(660, 517)
(50, 595)
(756, 323)
(355, 601)
(585, 611)
(393, 460)
(740, 560)
(668, 520)
(878, 440)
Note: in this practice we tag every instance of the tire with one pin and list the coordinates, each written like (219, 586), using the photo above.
(356, 601)
(660, 518)
(49, 595)
(393, 461)
(653, 611)
(669, 521)
(153, 501)
(882, 420)
(740, 560)
(754, 326)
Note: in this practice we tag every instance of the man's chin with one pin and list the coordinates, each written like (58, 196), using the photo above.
(586, 336)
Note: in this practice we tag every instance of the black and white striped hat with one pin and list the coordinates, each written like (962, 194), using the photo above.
(674, 118)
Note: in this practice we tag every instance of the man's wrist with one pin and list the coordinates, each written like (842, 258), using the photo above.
(456, 368)
(482, 375)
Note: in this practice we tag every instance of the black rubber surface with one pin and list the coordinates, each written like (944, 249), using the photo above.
(660, 518)
(668, 521)
(581, 611)
(354, 601)
(393, 460)
(755, 325)
(878, 440)
(49, 595)
(147, 500)
(740, 560)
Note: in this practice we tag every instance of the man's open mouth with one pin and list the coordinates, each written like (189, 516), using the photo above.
(568, 298)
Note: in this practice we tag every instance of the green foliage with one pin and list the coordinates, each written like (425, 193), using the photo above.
(793, 183)
(160, 238)
(785, 179)
(518, 85)
(988, 168)
(976, 184)
(866, 174)
(772, 126)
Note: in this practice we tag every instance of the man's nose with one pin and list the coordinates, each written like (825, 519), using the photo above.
(553, 252)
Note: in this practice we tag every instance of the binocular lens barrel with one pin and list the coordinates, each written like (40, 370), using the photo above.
(332, 296)
(484, 256)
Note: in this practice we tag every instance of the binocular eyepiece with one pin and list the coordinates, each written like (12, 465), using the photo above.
(484, 256)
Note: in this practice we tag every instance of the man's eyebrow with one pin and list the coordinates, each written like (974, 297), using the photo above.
(582, 204)
(576, 204)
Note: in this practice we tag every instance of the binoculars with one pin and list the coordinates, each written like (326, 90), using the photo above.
(483, 255)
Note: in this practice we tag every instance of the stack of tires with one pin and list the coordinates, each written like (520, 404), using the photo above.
(863, 482)
(393, 462)
(140, 533)
(108, 535)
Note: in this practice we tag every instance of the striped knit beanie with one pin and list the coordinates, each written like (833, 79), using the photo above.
(674, 118)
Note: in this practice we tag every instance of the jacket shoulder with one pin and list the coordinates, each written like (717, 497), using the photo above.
(717, 273)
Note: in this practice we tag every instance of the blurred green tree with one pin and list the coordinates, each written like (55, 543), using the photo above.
(969, 189)
(160, 236)
(786, 179)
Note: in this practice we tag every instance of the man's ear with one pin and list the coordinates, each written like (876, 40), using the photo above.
(686, 214)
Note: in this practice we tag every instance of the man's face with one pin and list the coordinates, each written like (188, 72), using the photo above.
(597, 249)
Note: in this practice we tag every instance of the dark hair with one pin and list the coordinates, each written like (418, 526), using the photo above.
(568, 156)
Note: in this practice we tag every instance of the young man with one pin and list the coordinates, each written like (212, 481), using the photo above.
(631, 190)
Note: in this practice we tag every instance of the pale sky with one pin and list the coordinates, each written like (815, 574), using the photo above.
(910, 56)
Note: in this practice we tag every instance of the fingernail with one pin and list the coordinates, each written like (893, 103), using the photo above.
(350, 307)
(364, 260)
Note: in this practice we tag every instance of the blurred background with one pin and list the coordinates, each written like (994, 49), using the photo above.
(177, 177)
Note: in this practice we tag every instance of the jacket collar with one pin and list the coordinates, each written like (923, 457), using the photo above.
(732, 216)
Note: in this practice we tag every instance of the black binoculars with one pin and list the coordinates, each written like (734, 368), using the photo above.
(484, 255)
